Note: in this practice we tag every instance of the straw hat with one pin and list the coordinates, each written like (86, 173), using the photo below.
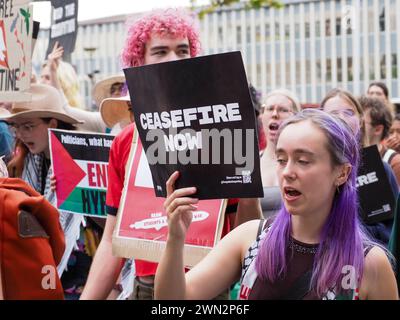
(115, 110)
(101, 89)
(4, 112)
(46, 103)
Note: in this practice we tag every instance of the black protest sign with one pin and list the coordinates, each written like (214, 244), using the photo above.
(64, 26)
(80, 165)
(196, 116)
(375, 194)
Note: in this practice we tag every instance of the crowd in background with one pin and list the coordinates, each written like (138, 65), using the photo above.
(88, 270)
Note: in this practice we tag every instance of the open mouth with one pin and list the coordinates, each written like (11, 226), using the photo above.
(291, 193)
(273, 127)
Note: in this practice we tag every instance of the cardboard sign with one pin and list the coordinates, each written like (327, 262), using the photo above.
(141, 228)
(64, 28)
(80, 165)
(375, 194)
(196, 116)
(16, 27)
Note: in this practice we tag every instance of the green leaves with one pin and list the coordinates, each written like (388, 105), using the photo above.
(26, 14)
(249, 4)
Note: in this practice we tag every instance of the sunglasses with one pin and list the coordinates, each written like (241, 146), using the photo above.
(119, 87)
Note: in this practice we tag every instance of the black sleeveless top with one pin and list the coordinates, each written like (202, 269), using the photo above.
(299, 261)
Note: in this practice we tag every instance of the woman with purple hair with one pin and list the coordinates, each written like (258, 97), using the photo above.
(314, 248)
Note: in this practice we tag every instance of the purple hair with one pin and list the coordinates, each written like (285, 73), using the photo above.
(342, 237)
(178, 23)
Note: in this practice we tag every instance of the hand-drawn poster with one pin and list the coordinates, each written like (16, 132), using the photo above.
(16, 27)
(141, 229)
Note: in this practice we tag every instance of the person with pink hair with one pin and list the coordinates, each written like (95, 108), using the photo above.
(159, 36)
(158, 27)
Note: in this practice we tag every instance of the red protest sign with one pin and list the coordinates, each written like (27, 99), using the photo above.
(141, 229)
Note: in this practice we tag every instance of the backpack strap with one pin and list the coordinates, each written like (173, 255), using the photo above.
(367, 249)
(261, 227)
(264, 225)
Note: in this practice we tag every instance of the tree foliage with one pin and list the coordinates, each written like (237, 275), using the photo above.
(249, 4)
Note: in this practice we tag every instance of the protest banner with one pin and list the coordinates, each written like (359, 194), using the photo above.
(64, 27)
(376, 197)
(141, 229)
(80, 163)
(16, 27)
(196, 116)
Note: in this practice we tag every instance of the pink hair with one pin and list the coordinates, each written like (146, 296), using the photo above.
(175, 22)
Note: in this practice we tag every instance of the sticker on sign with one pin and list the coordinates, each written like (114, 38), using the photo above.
(158, 223)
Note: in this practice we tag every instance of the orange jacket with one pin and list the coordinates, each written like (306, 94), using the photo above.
(31, 243)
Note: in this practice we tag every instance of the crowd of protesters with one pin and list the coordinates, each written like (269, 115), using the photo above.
(307, 227)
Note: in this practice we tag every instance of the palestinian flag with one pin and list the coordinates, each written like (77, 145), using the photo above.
(80, 165)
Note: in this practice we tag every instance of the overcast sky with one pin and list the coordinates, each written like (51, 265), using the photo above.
(92, 9)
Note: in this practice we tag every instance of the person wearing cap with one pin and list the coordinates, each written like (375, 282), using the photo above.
(111, 95)
(110, 87)
(29, 121)
(160, 36)
(31, 162)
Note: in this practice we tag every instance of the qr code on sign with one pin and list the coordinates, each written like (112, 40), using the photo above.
(246, 177)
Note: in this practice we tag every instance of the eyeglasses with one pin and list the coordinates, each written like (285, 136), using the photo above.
(343, 112)
(25, 128)
(117, 87)
(280, 110)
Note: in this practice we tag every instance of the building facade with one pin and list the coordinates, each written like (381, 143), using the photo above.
(308, 47)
